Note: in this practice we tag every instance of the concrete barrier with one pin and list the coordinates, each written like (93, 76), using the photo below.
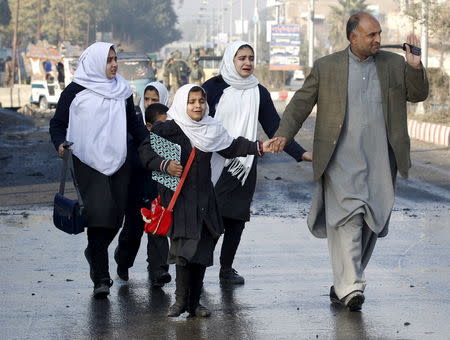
(429, 132)
(17, 96)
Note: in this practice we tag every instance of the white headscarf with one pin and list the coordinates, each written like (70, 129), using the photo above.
(238, 110)
(97, 115)
(162, 92)
(208, 134)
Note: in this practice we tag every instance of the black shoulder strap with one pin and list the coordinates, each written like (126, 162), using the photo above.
(68, 165)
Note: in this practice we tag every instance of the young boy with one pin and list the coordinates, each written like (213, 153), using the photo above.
(155, 113)
(142, 190)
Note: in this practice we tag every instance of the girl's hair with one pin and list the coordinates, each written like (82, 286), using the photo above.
(245, 46)
(198, 89)
(151, 88)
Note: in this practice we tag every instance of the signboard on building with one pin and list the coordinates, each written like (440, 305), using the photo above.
(285, 47)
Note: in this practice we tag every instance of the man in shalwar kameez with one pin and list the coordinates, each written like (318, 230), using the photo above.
(360, 142)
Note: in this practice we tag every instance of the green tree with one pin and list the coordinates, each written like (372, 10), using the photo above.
(338, 21)
(148, 24)
(5, 13)
(438, 24)
(145, 24)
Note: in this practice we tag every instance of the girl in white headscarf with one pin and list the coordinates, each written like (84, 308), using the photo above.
(96, 112)
(154, 92)
(196, 221)
(236, 98)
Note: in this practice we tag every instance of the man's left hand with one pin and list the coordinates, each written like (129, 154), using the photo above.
(412, 59)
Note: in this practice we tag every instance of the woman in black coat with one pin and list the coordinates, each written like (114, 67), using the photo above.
(95, 112)
(197, 224)
(236, 98)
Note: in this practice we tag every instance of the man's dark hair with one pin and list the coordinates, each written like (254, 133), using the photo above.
(353, 22)
(153, 111)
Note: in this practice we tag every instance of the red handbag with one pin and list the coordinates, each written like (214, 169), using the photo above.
(158, 219)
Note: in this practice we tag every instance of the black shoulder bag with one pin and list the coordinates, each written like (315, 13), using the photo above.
(68, 214)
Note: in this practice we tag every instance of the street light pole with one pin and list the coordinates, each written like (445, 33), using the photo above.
(311, 34)
(242, 19)
(255, 29)
(424, 33)
(14, 44)
(231, 20)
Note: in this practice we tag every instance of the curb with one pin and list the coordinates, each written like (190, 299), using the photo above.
(429, 132)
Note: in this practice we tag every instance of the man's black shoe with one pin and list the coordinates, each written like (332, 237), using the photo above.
(230, 276)
(101, 289)
(352, 301)
(333, 297)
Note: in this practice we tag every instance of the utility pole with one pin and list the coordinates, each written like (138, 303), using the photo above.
(424, 33)
(311, 34)
(14, 44)
(39, 24)
(242, 19)
(231, 20)
(64, 21)
(255, 29)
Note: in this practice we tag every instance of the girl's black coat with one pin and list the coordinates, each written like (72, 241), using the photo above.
(105, 197)
(196, 203)
(234, 198)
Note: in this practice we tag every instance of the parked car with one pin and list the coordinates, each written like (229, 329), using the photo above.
(135, 67)
(45, 93)
(210, 65)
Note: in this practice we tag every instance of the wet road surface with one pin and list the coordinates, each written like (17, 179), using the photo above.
(45, 291)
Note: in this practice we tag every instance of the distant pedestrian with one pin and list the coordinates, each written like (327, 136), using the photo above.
(196, 221)
(142, 190)
(61, 75)
(197, 74)
(95, 112)
(236, 98)
(47, 68)
(360, 141)
(8, 72)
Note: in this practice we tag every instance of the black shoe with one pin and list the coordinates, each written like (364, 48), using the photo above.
(201, 311)
(177, 309)
(333, 297)
(122, 271)
(352, 301)
(101, 289)
(230, 276)
(159, 279)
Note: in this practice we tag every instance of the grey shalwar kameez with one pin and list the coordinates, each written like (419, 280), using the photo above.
(358, 189)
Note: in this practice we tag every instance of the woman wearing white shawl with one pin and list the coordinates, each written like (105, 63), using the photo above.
(236, 98)
(196, 221)
(96, 112)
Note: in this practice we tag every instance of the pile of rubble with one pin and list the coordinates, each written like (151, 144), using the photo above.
(35, 111)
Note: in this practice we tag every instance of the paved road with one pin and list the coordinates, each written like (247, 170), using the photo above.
(45, 292)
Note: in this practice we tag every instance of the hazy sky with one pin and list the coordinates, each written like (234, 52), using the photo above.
(191, 8)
